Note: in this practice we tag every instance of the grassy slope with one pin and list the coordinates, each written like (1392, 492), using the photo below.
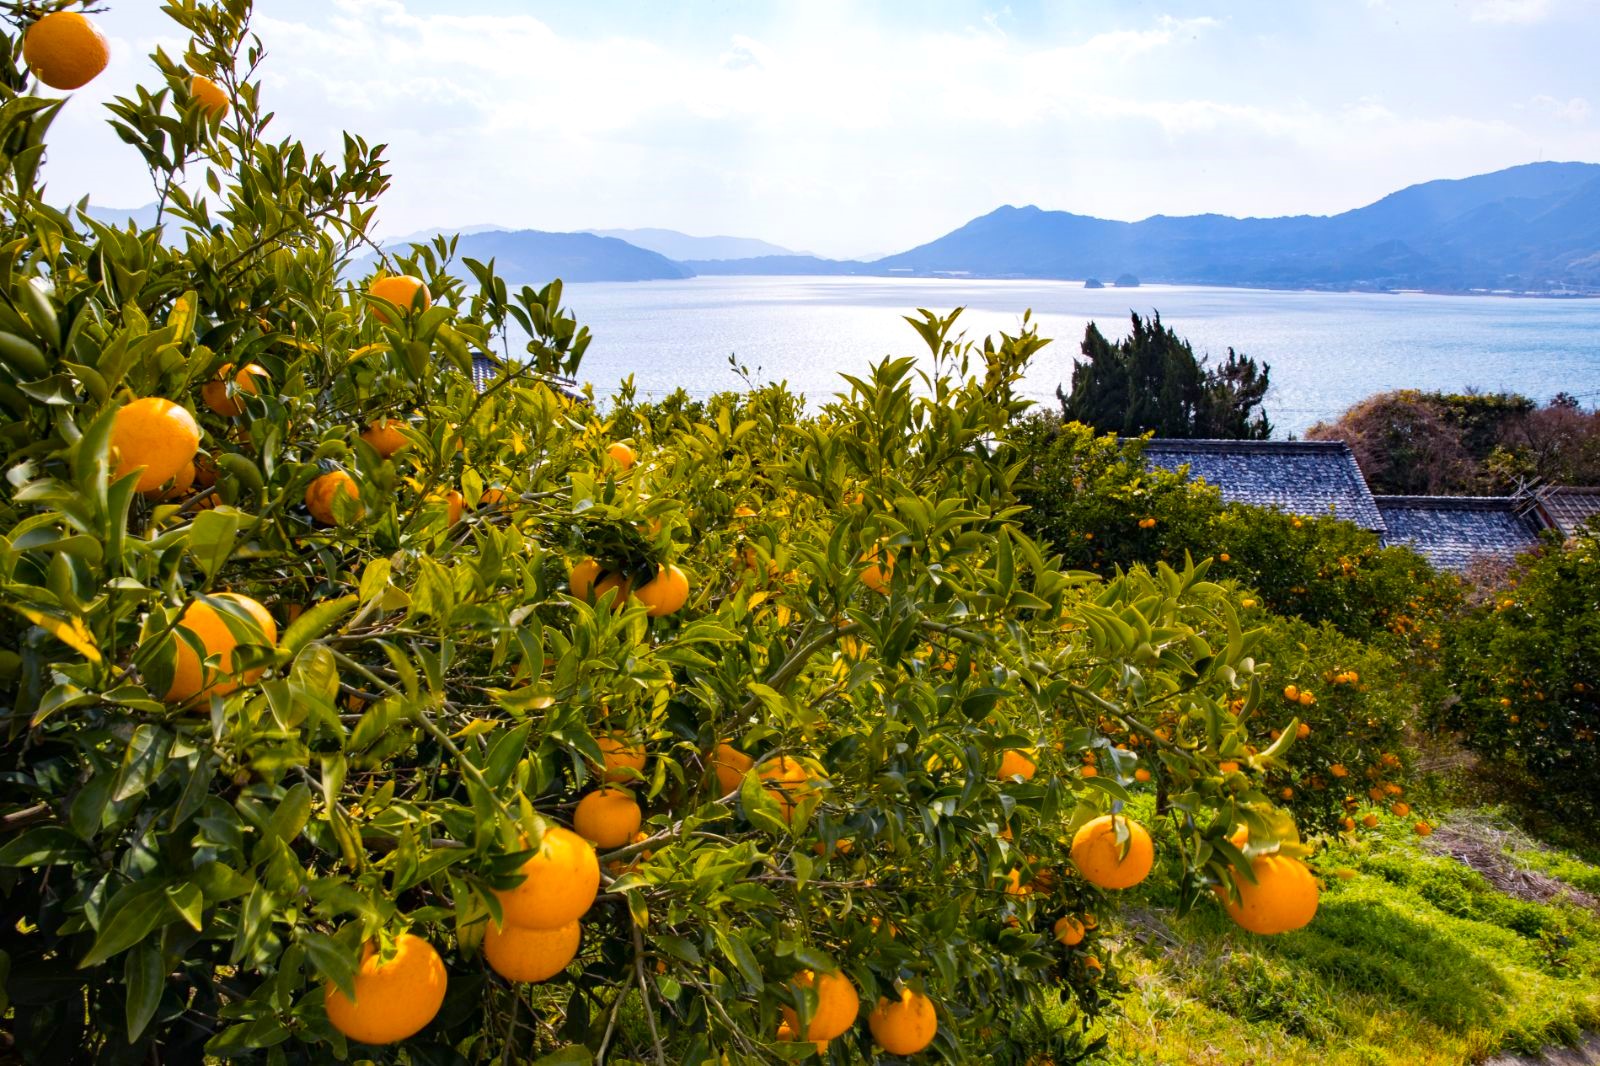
(1413, 960)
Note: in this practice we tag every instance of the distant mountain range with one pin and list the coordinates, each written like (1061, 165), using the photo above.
(1532, 228)
(682, 247)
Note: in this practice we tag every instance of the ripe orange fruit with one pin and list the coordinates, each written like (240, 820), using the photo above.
(621, 759)
(1141, 775)
(1370, 821)
(582, 581)
(394, 999)
(665, 593)
(181, 483)
(1227, 767)
(1069, 931)
(1291, 693)
(520, 954)
(320, 494)
(190, 678)
(786, 1035)
(1423, 829)
(1283, 898)
(1338, 770)
(385, 437)
(905, 1026)
(559, 883)
(1303, 732)
(622, 454)
(837, 1005)
(1015, 763)
(154, 436)
(730, 765)
(1400, 810)
(65, 50)
(607, 817)
(209, 95)
(1099, 859)
(405, 291)
(455, 505)
(878, 575)
(790, 781)
(492, 497)
(249, 380)
(205, 470)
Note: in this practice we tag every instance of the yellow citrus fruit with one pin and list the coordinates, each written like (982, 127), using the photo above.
(730, 764)
(904, 1026)
(607, 817)
(65, 50)
(209, 95)
(622, 761)
(455, 506)
(837, 1005)
(520, 954)
(1015, 763)
(877, 576)
(385, 437)
(404, 291)
(790, 782)
(589, 582)
(320, 494)
(665, 593)
(247, 381)
(394, 999)
(1069, 931)
(155, 437)
(622, 455)
(204, 623)
(1099, 858)
(181, 483)
(1283, 898)
(559, 883)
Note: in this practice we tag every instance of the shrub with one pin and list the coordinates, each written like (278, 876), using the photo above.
(1526, 668)
(1094, 500)
(411, 685)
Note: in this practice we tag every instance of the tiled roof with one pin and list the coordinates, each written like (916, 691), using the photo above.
(1452, 532)
(1310, 478)
(1567, 509)
(484, 370)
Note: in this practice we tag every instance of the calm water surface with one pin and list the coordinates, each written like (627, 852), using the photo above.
(1327, 350)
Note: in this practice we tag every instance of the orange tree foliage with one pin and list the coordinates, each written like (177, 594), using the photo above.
(204, 878)
(1526, 664)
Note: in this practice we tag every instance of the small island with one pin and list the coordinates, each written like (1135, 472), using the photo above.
(1094, 283)
(1127, 281)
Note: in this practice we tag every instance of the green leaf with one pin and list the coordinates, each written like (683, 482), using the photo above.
(145, 978)
(567, 1056)
(45, 845)
(189, 902)
(733, 946)
(132, 914)
(503, 757)
(317, 621)
(211, 539)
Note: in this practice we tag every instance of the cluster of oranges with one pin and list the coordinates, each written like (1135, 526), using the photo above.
(66, 51)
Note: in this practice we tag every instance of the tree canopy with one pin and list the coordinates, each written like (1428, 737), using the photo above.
(1151, 381)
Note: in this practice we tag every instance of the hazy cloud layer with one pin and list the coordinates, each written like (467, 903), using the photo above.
(857, 127)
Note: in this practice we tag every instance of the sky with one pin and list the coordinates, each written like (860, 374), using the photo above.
(865, 127)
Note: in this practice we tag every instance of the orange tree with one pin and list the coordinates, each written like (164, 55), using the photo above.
(314, 650)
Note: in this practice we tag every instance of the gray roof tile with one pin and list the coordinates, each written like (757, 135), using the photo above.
(1310, 478)
(1567, 509)
(1453, 532)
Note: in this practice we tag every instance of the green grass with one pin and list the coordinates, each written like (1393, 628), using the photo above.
(1415, 959)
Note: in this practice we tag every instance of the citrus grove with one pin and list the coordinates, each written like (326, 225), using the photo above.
(355, 710)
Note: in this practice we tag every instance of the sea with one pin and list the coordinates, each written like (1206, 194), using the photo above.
(1326, 350)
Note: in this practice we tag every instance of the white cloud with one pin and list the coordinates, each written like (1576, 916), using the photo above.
(815, 126)
(1575, 109)
(1510, 11)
